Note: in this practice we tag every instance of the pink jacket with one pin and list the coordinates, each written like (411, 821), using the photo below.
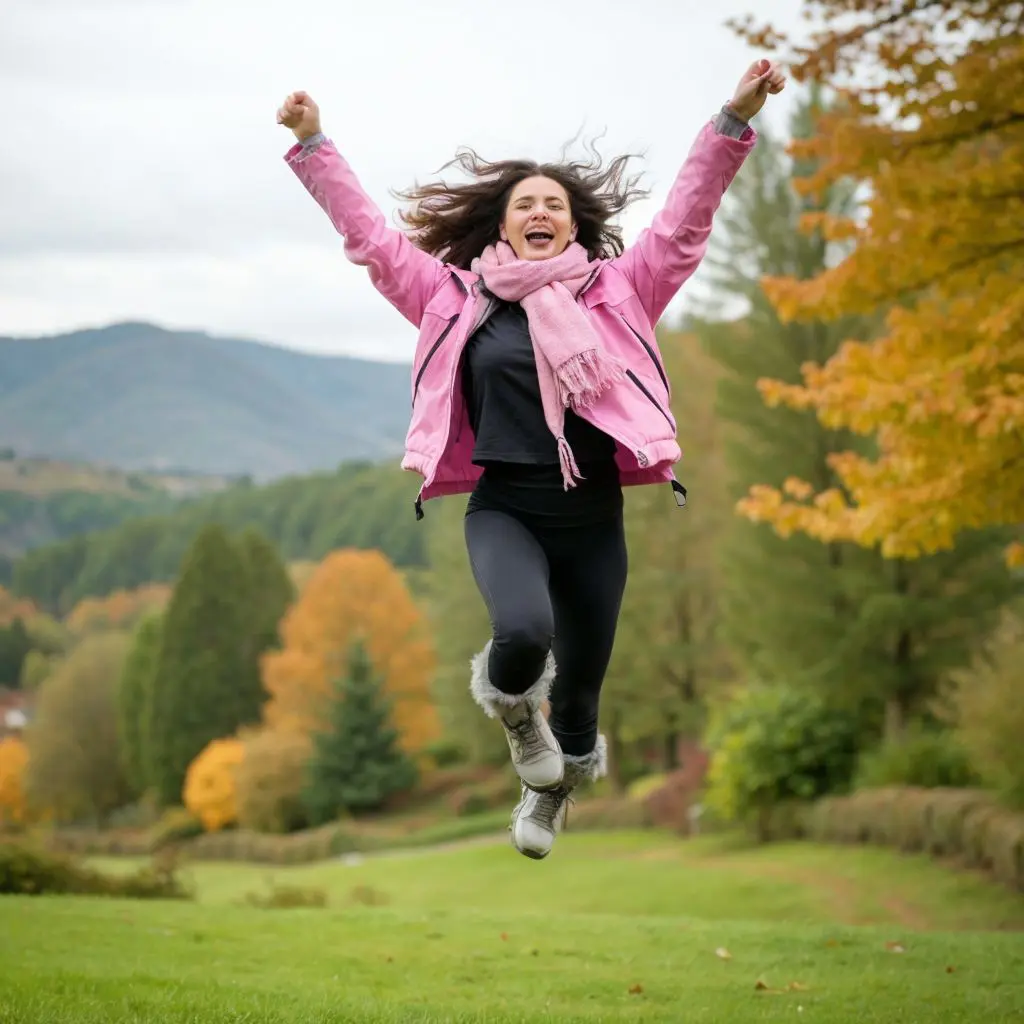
(625, 299)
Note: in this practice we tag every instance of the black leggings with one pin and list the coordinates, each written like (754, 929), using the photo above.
(551, 582)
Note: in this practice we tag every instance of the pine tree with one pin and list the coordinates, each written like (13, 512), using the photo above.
(268, 593)
(357, 762)
(134, 701)
(873, 632)
(202, 689)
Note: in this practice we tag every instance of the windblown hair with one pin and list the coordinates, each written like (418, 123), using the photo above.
(457, 222)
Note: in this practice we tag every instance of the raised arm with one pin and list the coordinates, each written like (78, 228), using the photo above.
(405, 275)
(670, 250)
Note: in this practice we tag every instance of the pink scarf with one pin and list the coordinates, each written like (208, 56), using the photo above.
(572, 368)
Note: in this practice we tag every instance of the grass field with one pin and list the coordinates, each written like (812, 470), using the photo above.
(628, 927)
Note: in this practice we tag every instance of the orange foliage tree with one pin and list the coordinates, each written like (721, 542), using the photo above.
(930, 118)
(13, 759)
(211, 786)
(353, 594)
(120, 610)
(13, 607)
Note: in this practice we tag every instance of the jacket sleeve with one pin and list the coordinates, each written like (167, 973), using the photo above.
(405, 275)
(670, 250)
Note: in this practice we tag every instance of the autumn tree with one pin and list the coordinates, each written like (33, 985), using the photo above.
(211, 786)
(74, 765)
(929, 121)
(135, 701)
(356, 762)
(352, 594)
(271, 778)
(121, 609)
(876, 634)
(201, 687)
(13, 762)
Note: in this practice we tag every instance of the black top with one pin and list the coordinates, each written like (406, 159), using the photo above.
(502, 391)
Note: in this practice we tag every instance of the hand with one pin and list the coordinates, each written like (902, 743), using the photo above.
(761, 78)
(301, 114)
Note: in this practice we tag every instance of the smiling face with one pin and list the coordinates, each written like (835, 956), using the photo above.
(538, 220)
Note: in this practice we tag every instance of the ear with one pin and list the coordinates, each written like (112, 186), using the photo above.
(503, 234)
(572, 231)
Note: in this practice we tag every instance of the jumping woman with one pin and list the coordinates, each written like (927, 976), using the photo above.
(538, 388)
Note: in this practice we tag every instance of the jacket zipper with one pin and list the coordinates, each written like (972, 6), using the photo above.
(650, 352)
(657, 405)
(437, 344)
(430, 355)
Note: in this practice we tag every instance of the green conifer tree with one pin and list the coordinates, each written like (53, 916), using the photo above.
(357, 762)
(134, 701)
(203, 687)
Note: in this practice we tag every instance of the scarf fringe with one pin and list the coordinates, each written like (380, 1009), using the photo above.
(583, 378)
(568, 463)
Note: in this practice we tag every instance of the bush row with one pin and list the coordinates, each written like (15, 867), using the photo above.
(26, 870)
(964, 825)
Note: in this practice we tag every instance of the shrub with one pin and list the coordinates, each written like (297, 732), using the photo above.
(772, 744)
(270, 780)
(668, 804)
(176, 824)
(500, 790)
(446, 753)
(13, 759)
(966, 825)
(27, 871)
(211, 789)
(607, 813)
(924, 757)
(988, 705)
(286, 897)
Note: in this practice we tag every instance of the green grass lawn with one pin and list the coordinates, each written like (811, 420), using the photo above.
(626, 927)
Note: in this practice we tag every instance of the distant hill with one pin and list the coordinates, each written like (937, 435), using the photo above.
(139, 397)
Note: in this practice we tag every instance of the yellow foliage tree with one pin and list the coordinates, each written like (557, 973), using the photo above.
(211, 784)
(120, 610)
(930, 118)
(353, 594)
(13, 759)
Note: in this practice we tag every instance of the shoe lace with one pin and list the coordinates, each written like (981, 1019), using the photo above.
(526, 739)
(549, 804)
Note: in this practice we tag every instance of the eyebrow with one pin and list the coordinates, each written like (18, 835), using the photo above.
(547, 198)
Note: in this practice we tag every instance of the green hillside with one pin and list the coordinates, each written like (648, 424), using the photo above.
(138, 397)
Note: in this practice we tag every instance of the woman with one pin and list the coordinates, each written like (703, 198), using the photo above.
(538, 387)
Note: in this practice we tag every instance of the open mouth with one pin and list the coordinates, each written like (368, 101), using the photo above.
(539, 238)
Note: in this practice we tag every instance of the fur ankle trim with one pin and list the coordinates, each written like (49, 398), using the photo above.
(493, 700)
(588, 767)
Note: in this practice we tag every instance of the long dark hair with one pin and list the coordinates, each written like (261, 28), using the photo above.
(457, 222)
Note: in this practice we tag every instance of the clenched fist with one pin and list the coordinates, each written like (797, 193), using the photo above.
(301, 114)
(761, 78)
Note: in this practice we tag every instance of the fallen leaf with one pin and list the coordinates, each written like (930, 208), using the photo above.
(390, 959)
(635, 990)
(723, 954)
(895, 947)
(950, 970)
(534, 952)
(504, 936)
(760, 986)
(831, 943)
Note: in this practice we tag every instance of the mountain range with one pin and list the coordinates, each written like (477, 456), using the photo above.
(139, 397)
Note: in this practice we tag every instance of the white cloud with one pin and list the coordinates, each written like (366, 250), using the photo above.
(143, 176)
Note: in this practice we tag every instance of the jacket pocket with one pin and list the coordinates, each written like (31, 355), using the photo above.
(647, 393)
(452, 321)
(650, 352)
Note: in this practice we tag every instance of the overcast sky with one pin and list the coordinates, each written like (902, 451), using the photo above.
(142, 176)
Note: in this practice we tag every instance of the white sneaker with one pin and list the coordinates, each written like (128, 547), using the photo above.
(539, 817)
(537, 820)
(536, 755)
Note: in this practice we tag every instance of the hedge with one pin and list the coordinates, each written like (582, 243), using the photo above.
(963, 825)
